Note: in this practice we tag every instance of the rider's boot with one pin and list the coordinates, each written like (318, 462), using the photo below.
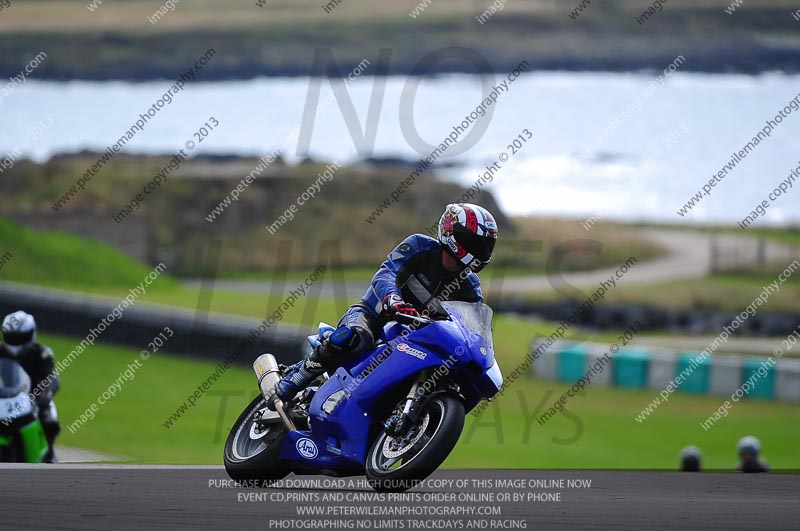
(299, 375)
(50, 456)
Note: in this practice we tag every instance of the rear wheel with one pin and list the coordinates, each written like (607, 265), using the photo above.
(395, 464)
(254, 444)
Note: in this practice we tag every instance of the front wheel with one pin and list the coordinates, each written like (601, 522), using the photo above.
(395, 464)
(254, 444)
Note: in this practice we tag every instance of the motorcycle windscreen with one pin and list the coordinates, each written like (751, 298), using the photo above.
(477, 318)
(13, 379)
(14, 387)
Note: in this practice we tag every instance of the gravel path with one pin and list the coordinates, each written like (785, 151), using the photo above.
(688, 255)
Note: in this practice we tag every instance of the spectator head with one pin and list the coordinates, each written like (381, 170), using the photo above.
(691, 458)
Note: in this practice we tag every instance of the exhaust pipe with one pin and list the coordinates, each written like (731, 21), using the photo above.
(268, 374)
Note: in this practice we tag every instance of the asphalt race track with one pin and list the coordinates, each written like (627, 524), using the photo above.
(200, 498)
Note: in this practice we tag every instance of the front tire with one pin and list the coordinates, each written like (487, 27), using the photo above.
(7, 454)
(252, 449)
(396, 465)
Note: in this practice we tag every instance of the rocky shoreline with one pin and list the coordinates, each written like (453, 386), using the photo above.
(766, 40)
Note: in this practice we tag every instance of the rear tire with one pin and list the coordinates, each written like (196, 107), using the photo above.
(441, 427)
(251, 451)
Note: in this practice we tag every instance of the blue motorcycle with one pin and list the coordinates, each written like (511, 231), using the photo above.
(394, 414)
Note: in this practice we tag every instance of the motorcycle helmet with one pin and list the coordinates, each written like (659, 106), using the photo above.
(468, 232)
(19, 330)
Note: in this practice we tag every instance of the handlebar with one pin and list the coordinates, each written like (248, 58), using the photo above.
(410, 319)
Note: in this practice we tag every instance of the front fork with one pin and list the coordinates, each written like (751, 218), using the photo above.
(400, 422)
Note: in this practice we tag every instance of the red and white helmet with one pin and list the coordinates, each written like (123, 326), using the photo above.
(469, 233)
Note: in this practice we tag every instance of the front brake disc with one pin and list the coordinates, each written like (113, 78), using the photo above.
(262, 419)
(405, 446)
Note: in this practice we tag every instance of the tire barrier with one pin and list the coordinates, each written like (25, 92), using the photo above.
(618, 317)
(212, 337)
(642, 368)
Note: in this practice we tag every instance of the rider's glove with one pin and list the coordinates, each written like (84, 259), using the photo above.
(394, 304)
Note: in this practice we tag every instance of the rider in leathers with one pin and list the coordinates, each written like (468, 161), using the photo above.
(418, 270)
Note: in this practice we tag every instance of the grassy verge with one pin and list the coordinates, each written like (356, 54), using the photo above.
(789, 236)
(600, 431)
(66, 261)
(729, 292)
(131, 423)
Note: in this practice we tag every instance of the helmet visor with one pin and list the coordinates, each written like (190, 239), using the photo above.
(16, 339)
(481, 247)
